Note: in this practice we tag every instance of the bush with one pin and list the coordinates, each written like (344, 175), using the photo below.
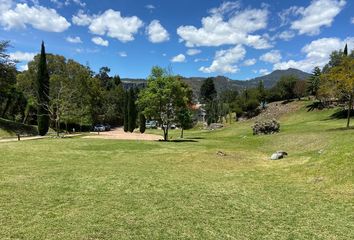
(266, 127)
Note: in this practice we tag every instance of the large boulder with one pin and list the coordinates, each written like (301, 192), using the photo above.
(278, 155)
(266, 127)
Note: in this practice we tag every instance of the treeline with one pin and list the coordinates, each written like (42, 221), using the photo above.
(335, 83)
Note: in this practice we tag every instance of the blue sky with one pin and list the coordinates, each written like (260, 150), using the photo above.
(238, 39)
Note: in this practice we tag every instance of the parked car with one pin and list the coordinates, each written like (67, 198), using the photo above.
(151, 124)
(99, 128)
(107, 127)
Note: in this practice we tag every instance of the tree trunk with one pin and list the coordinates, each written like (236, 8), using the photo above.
(182, 133)
(57, 123)
(165, 132)
(350, 106)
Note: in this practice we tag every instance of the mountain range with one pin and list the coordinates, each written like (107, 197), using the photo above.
(223, 83)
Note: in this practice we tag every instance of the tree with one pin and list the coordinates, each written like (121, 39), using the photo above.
(142, 122)
(208, 91)
(286, 86)
(132, 112)
(126, 113)
(185, 119)
(314, 82)
(43, 94)
(163, 98)
(262, 94)
(342, 78)
(300, 89)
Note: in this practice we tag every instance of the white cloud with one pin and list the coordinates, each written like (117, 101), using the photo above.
(237, 29)
(286, 35)
(38, 17)
(201, 60)
(317, 54)
(263, 71)
(320, 13)
(352, 20)
(123, 54)
(73, 39)
(23, 68)
(178, 58)
(81, 19)
(225, 60)
(156, 32)
(22, 56)
(150, 7)
(250, 62)
(110, 23)
(225, 7)
(193, 51)
(100, 41)
(273, 56)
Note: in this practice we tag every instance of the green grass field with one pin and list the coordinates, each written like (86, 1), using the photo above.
(107, 189)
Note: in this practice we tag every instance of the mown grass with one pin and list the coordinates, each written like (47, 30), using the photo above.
(107, 189)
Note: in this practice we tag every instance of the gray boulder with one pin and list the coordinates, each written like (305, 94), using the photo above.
(278, 155)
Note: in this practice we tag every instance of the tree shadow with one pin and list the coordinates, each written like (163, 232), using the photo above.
(342, 114)
(179, 140)
(315, 106)
(195, 138)
(340, 129)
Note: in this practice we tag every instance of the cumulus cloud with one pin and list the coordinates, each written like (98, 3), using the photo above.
(273, 56)
(110, 23)
(156, 32)
(201, 60)
(225, 60)
(73, 39)
(320, 13)
(38, 17)
(352, 20)
(22, 56)
(219, 30)
(286, 35)
(100, 41)
(60, 3)
(193, 51)
(150, 7)
(250, 62)
(178, 58)
(317, 54)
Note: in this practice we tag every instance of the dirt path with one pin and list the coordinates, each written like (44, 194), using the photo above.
(119, 134)
(15, 139)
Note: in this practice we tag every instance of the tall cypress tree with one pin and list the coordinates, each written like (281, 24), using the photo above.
(126, 116)
(142, 122)
(345, 52)
(132, 112)
(42, 94)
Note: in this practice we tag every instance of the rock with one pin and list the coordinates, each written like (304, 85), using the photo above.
(278, 155)
(220, 153)
(214, 126)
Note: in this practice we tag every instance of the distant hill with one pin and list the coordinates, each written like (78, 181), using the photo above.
(223, 83)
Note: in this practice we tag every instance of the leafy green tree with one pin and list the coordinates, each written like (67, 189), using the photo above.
(300, 89)
(163, 98)
(185, 119)
(43, 94)
(314, 82)
(208, 91)
(341, 77)
(286, 86)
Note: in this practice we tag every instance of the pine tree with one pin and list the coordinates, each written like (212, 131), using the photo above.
(43, 94)
(314, 82)
(208, 91)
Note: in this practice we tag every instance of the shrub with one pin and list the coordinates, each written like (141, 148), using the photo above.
(266, 127)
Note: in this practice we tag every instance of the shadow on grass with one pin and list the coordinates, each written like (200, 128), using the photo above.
(179, 140)
(342, 114)
(195, 138)
(340, 129)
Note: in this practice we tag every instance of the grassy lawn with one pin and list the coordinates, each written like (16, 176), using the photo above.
(107, 189)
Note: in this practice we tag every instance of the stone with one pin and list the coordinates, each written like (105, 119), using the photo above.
(278, 155)
(220, 153)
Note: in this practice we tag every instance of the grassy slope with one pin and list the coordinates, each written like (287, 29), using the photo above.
(106, 189)
(9, 128)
